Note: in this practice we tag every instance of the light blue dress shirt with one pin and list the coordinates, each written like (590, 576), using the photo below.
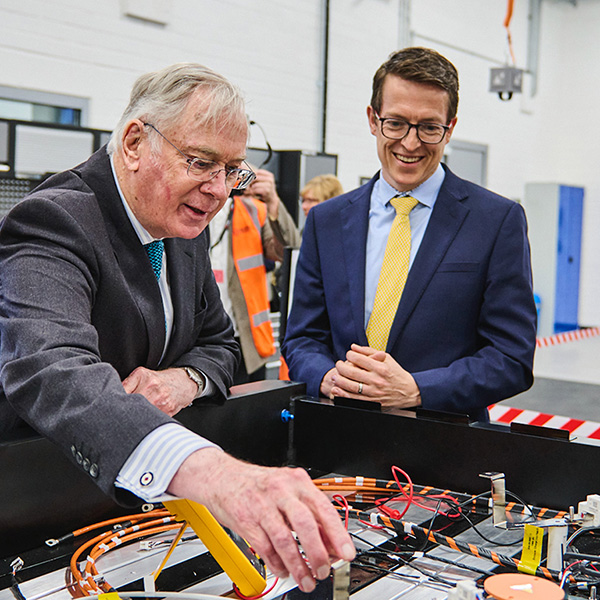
(151, 466)
(381, 216)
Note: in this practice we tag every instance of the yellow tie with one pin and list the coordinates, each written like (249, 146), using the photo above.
(394, 271)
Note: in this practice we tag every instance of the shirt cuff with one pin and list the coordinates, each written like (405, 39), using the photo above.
(150, 468)
(209, 388)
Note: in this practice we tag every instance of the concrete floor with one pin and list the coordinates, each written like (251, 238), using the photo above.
(567, 381)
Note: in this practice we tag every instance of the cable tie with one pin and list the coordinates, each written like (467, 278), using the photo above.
(90, 560)
(104, 547)
(135, 528)
(146, 545)
(17, 564)
(338, 480)
(374, 519)
(360, 481)
(408, 528)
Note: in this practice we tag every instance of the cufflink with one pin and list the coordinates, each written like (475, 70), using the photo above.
(147, 478)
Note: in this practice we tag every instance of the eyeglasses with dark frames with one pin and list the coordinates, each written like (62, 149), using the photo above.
(204, 170)
(394, 128)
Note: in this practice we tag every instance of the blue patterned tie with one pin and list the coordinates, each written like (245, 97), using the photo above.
(155, 251)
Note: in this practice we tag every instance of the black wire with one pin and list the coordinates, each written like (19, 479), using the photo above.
(269, 149)
(581, 531)
(486, 539)
(404, 561)
(435, 514)
(460, 565)
(226, 226)
(16, 590)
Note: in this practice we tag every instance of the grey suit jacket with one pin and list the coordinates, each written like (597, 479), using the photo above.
(80, 308)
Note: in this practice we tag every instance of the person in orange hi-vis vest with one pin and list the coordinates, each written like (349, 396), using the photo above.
(249, 229)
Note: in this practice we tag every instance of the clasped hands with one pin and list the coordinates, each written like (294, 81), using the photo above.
(369, 374)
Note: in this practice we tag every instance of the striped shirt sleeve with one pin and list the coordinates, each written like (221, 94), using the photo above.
(149, 469)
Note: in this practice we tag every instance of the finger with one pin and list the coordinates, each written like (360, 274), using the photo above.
(282, 552)
(346, 370)
(368, 351)
(131, 382)
(265, 550)
(361, 361)
(331, 528)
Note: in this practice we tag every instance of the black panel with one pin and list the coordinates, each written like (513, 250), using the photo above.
(43, 495)
(546, 472)
(249, 425)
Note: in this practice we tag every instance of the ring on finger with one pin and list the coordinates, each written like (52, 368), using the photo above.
(360, 387)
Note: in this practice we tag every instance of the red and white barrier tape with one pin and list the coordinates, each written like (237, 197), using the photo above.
(577, 427)
(567, 336)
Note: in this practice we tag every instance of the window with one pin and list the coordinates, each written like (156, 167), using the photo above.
(43, 107)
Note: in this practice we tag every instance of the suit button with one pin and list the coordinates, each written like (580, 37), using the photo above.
(79, 458)
(73, 451)
(94, 470)
(86, 464)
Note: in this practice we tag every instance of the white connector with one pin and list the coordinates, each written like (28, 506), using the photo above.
(590, 510)
(465, 589)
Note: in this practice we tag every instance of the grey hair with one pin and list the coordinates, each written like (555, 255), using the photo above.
(160, 98)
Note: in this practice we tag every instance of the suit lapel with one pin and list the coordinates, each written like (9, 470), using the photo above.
(446, 220)
(128, 252)
(354, 218)
(183, 277)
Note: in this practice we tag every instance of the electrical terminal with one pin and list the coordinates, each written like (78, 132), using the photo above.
(466, 589)
(589, 511)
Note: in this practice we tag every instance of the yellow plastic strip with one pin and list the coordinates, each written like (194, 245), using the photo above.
(531, 554)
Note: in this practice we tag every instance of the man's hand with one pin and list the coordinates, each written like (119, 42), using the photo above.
(382, 379)
(263, 188)
(169, 390)
(264, 505)
(327, 383)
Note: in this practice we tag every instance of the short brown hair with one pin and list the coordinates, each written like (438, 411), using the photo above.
(422, 65)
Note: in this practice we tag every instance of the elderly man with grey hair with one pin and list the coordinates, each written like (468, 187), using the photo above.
(111, 319)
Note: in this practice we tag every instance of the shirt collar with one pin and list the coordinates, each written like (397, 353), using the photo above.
(145, 237)
(426, 193)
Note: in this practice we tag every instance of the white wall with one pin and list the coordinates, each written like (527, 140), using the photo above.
(273, 50)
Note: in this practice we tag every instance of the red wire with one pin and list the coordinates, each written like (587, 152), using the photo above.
(409, 496)
(344, 504)
(261, 595)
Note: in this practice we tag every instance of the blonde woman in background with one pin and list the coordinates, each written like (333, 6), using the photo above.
(319, 189)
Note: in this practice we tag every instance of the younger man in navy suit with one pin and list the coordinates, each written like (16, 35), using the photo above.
(462, 328)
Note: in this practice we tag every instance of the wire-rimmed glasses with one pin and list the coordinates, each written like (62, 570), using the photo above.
(201, 169)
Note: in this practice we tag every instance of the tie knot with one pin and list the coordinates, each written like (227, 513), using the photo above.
(403, 204)
(155, 250)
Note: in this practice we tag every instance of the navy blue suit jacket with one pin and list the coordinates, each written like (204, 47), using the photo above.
(466, 323)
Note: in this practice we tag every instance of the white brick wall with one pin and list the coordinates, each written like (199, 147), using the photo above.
(273, 50)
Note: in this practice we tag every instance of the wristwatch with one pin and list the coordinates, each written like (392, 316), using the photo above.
(197, 378)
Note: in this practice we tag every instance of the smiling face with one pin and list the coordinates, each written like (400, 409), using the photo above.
(166, 201)
(407, 163)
